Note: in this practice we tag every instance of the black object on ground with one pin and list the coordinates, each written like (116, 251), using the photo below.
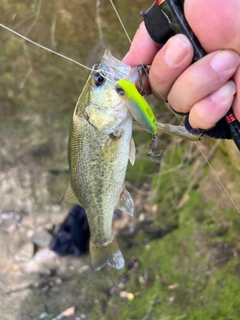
(73, 235)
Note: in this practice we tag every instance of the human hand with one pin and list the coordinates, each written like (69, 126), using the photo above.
(203, 89)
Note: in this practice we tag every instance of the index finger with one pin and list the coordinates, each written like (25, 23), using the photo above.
(142, 49)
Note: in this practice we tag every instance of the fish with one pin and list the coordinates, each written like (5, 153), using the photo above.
(100, 145)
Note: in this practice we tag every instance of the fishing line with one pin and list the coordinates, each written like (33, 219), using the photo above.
(43, 47)
(130, 41)
(219, 180)
(103, 73)
(205, 158)
(120, 20)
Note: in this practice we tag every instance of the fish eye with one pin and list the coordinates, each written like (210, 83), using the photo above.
(98, 79)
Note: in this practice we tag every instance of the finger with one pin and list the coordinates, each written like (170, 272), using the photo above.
(142, 49)
(174, 57)
(236, 103)
(202, 78)
(207, 112)
(215, 23)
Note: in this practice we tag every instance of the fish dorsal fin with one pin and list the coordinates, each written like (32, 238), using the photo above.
(69, 196)
(132, 151)
(125, 202)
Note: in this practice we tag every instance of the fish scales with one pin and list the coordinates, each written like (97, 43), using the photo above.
(100, 144)
(101, 172)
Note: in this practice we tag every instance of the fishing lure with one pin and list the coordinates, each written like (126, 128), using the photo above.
(143, 114)
(137, 105)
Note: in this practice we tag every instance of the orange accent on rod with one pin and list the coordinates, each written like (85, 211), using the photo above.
(230, 118)
(159, 1)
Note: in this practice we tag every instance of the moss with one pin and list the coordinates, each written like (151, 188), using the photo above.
(202, 291)
(196, 261)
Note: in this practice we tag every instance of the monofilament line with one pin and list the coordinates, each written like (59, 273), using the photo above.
(219, 180)
(43, 47)
(120, 20)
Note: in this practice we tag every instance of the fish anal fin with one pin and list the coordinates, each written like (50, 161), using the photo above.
(106, 254)
(125, 202)
(132, 151)
(69, 196)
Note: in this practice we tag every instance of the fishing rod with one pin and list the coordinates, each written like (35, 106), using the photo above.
(166, 18)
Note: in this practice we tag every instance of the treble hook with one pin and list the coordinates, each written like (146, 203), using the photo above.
(142, 91)
(154, 146)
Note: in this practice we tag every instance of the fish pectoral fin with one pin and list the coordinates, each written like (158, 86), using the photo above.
(125, 202)
(69, 196)
(132, 151)
(106, 254)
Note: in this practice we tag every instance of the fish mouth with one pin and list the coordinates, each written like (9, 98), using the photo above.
(113, 69)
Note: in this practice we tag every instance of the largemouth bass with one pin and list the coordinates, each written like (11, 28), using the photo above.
(100, 144)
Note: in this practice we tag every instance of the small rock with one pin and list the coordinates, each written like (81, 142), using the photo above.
(25, 253)
(41, 238)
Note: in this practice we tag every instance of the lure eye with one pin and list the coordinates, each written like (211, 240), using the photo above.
(98, 79)
(120, 91)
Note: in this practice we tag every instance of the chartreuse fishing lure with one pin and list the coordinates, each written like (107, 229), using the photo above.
(137, 105)
(144, 116)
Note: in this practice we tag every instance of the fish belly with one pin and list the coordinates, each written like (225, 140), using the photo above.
(98, 163)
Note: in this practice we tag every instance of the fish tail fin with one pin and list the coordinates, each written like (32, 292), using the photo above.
(106, 254)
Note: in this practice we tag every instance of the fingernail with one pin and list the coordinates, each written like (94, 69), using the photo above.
(176, 51)
(224, 94)
(225, 61)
